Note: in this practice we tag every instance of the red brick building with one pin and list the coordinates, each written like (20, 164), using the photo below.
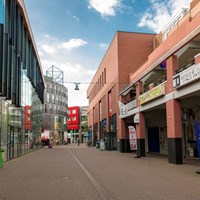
(165, 109)
(126, 53)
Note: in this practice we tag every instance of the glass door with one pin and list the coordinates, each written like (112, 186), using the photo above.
(10, 143)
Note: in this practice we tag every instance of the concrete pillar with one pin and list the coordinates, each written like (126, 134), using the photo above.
(174, 132)
(140, 127)
(174, 126)
(122, 134)
(140, 132)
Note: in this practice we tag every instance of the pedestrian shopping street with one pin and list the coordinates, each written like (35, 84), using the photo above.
(74, 172)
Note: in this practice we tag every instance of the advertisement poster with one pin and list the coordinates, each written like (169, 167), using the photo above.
(132, 138)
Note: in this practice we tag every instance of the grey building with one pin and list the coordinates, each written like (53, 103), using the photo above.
(83, 131)
(54, 109)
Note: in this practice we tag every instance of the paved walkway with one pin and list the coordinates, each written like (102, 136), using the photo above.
(74, 172)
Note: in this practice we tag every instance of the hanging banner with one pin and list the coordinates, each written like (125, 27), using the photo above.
(197, 131)
(122, 110)
(132, 138)
(110, 104)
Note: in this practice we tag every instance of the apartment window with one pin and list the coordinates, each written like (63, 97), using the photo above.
(69, 119)
(53, 99)
(47, 98)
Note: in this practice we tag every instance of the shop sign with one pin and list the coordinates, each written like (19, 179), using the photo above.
(137, 119)
(132, 138)
(152, 94)
(122, 110)
(187, 76)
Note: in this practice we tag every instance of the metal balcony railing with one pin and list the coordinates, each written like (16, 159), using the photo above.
(131, 105)
(174, 22)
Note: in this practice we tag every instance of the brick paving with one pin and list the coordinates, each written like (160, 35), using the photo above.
(55, 174)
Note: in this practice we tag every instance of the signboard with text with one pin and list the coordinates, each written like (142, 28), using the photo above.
(122, 110)
(132, 138)
(187, 76)
(152, 94)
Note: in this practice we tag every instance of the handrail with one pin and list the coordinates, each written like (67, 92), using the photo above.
(174, 21)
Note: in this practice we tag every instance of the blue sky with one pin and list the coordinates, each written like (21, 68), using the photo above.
(74, 35)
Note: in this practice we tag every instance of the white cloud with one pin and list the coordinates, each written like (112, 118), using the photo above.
(73, 43)
(160, 12)
(75, 17)
(53, 45)
(48, 49)
(65, 61)
(104, 46)
(105, 7)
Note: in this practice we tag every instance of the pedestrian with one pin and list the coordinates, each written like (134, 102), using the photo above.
(78, 142)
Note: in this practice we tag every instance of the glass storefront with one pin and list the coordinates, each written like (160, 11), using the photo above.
(20, 77)
(16, 139)
(189, 135)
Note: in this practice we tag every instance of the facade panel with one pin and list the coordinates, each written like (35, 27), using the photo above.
(19, 130)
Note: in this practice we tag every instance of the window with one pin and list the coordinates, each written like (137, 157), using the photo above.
(47, 98)
(53, 100)
(74, 111)
(73, 118)
(69, 119)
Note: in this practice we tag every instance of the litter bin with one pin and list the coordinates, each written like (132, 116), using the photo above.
(1, 157)
(102, 145)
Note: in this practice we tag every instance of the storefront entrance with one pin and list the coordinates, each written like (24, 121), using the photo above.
(189, 135)
(14, 147)
(153, 140)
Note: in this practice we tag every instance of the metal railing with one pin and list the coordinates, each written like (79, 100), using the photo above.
(174, 22)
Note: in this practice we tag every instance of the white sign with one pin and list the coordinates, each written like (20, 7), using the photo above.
(132, 138)
(188, 75)
(122, 110)
(102, 145)
(137, 119)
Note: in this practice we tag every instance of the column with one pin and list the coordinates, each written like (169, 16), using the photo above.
(140, 127)
(140, 132)
(174, 125)
(174, 132)
(122, 134)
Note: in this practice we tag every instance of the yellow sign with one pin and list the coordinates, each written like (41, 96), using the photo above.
(151, 94)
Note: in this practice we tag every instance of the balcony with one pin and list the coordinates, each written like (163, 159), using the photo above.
(186, 75)
(153, 93)
(174, 22)
(126, 109)
(131, 105)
